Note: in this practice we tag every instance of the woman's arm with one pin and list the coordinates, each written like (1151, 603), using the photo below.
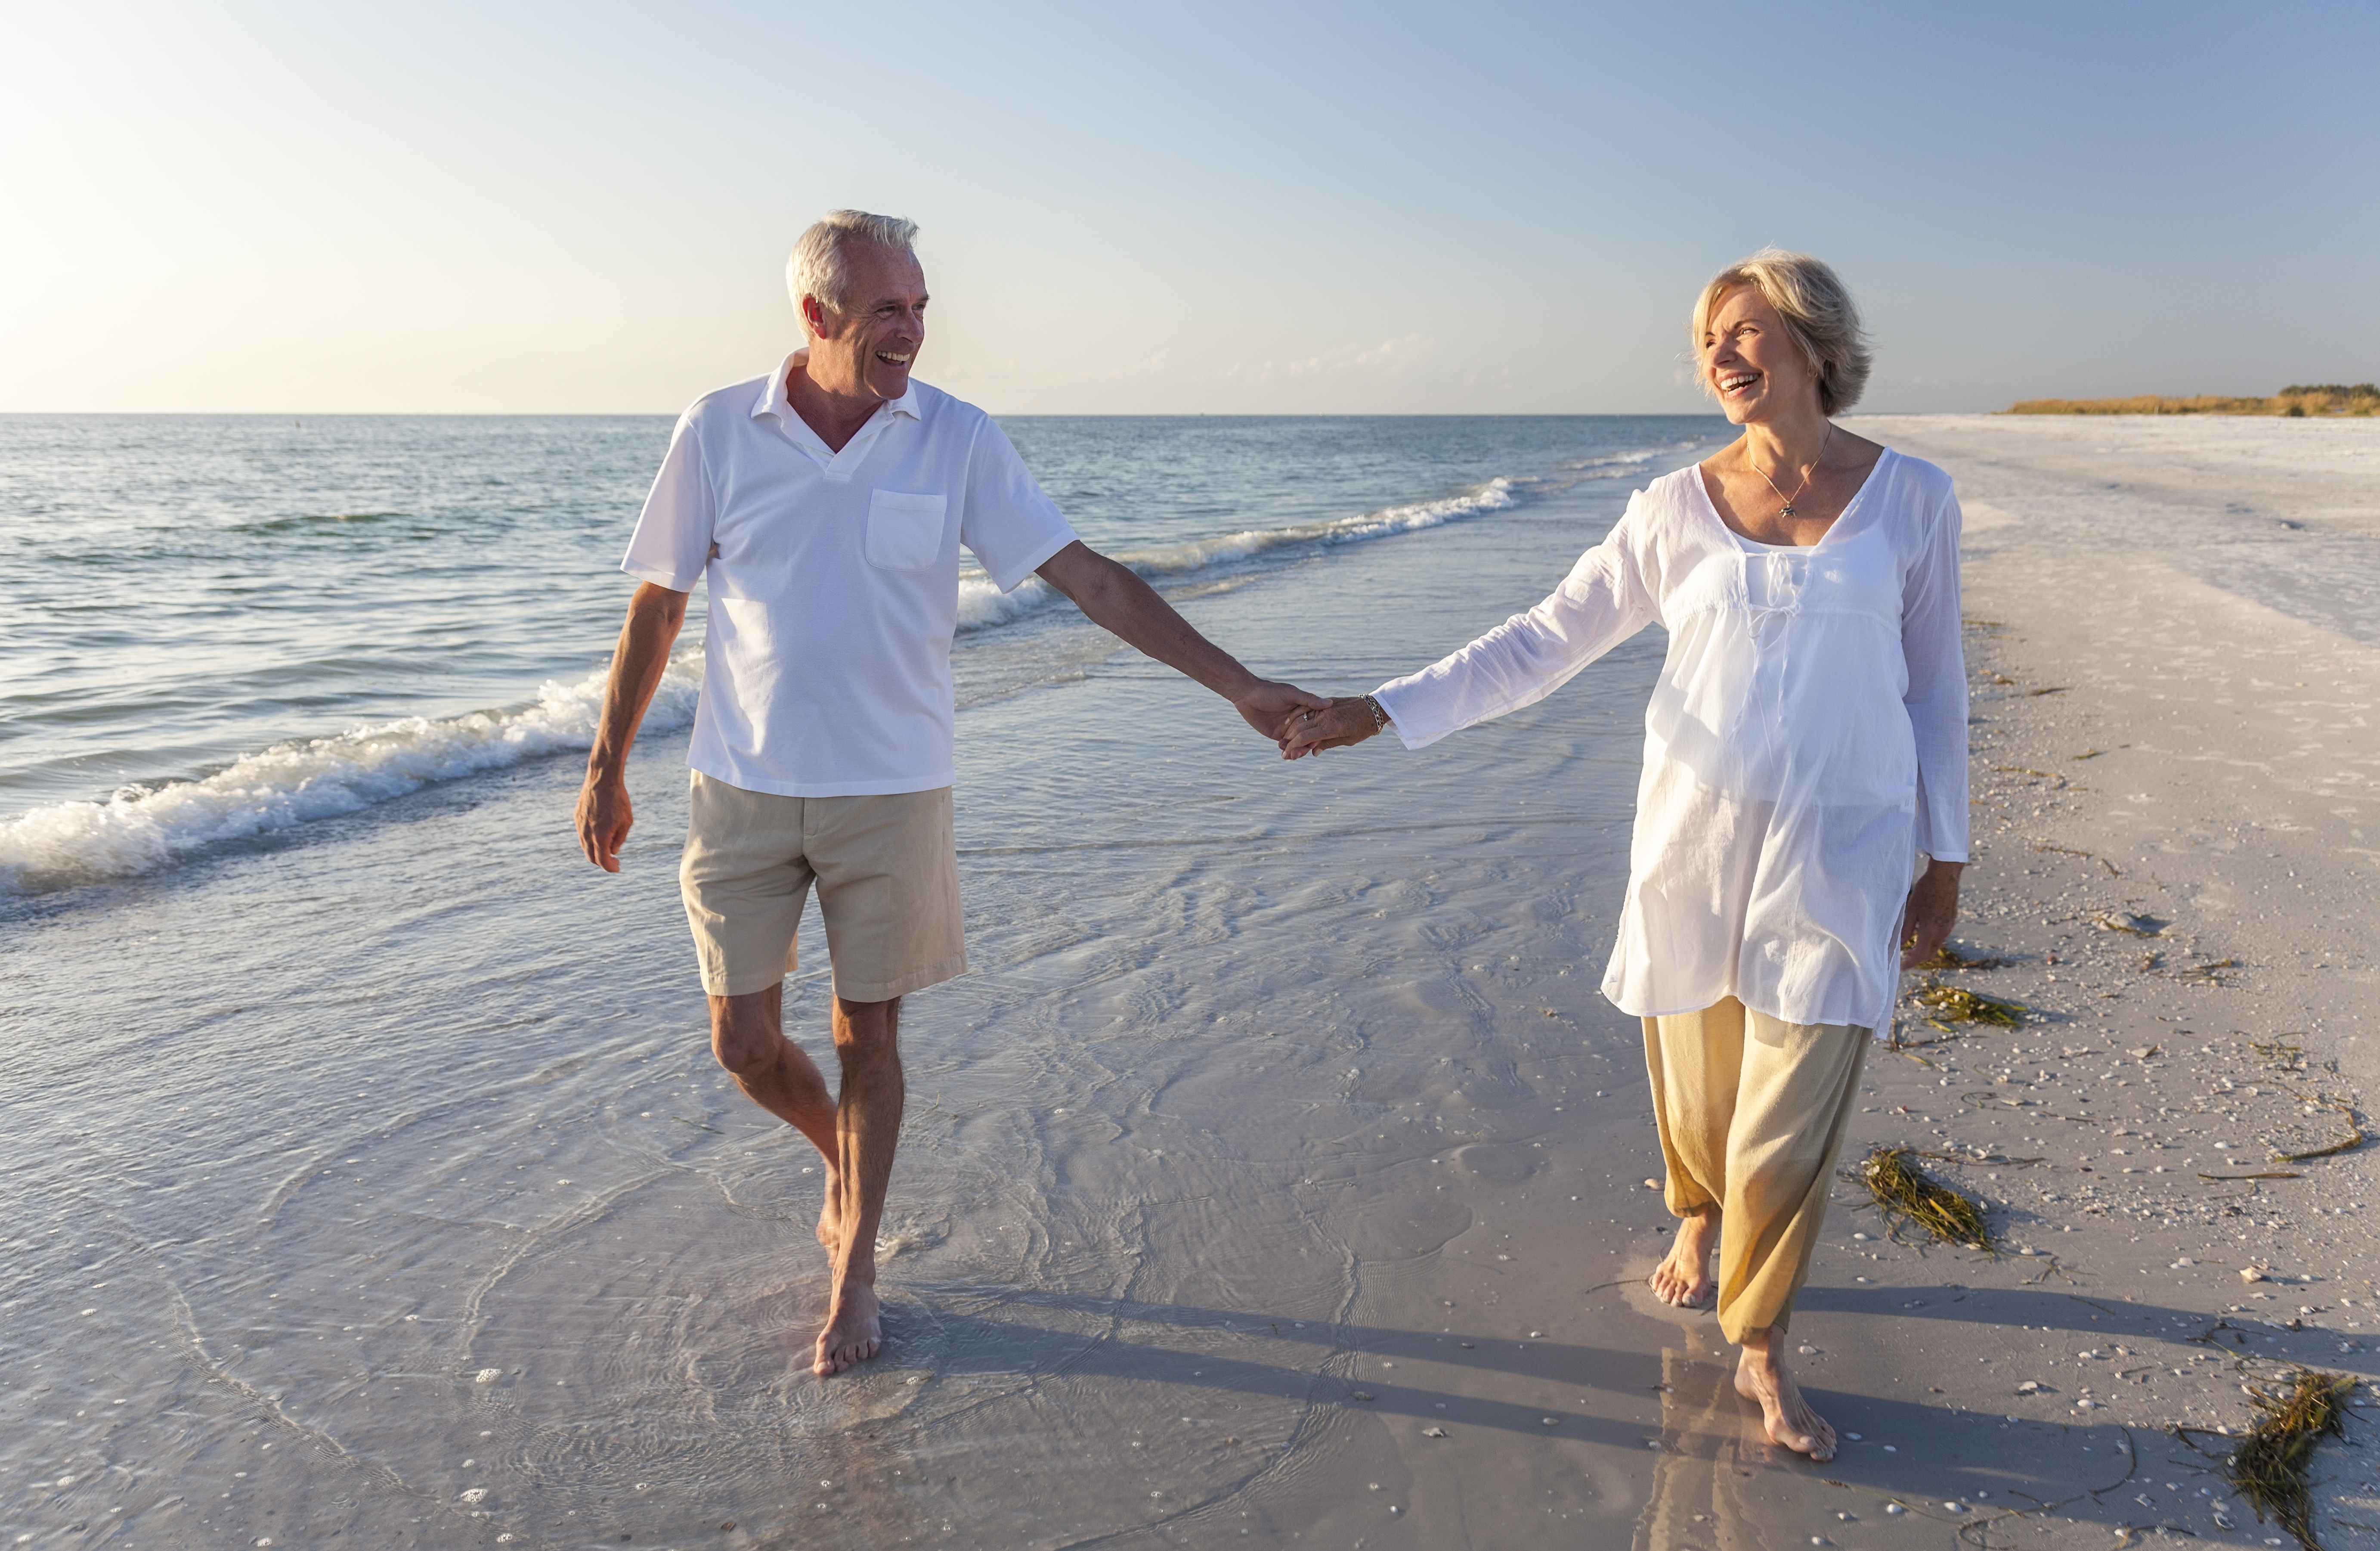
(1603, 601)
(1937, 696)
(1936, 701)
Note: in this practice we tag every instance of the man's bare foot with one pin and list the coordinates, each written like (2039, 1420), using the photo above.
(852, 1335)
(1760, 1376)
(830, 1223)
(1683, 1280)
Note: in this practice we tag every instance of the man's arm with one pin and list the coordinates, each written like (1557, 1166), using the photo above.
(1123, 604)
(655, 614)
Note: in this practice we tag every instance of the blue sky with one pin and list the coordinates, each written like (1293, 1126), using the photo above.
(1220, 208)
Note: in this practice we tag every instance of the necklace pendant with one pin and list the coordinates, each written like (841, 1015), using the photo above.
(1789, 508)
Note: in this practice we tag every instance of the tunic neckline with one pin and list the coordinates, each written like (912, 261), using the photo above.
(1710, 508)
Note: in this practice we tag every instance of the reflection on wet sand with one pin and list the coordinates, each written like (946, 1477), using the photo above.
(1718, 1483)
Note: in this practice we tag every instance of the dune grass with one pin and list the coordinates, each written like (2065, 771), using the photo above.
(2297, 401)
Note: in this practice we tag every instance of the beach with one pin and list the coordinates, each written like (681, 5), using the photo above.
(1279, 1175)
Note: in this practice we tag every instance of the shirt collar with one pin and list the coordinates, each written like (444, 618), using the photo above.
(773, 401)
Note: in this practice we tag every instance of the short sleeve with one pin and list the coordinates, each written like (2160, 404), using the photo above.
(1009, 523)
(671, 543)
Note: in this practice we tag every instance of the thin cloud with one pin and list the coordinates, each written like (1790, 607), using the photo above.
(1148, 368)
(1388, 359)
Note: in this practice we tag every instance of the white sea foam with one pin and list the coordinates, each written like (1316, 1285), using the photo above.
(139, 828)
(981, 604)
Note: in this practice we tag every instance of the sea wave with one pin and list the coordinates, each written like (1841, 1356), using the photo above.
(1620, 465)
(982, 604)
(140, 828)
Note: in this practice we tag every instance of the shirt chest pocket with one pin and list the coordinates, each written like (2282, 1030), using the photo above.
(905, 533)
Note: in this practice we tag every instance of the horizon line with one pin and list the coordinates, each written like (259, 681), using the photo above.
(1067, 414)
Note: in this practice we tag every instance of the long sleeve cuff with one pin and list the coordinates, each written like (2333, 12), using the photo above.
(1403, 714)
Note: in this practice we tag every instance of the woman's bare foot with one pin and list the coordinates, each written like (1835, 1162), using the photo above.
(1760, 1376)
(852, 1335)
(1683, 1280)
(830, 1223)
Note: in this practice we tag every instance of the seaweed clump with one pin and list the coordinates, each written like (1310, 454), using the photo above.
(1905, 1192)
(1956, 1004)
(2269, 1469)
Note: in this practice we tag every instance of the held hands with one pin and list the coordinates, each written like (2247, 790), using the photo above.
(1339, 723)
(1272, 708)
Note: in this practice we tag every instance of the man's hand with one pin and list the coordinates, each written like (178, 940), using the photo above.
(1933, 908)
(604, 817)
(1340, 723)
(655, 614)
(1273, 708)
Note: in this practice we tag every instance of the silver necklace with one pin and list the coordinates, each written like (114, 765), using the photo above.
(1813, 469)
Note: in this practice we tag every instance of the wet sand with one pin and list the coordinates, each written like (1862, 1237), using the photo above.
(1278, 1178)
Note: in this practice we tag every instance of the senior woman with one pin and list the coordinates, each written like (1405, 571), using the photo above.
(1805, 753)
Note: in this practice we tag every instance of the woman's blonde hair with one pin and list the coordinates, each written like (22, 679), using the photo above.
(1817, 313)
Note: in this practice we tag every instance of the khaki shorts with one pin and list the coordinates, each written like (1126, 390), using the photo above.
(888, 882)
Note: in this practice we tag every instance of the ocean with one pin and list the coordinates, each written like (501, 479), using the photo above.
(230, 626)
(365, 1171)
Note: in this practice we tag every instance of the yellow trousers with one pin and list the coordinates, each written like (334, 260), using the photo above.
(1752, 1114)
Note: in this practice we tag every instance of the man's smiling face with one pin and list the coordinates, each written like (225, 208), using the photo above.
(867, 347)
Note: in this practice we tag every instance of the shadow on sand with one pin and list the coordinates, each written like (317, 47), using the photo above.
(1713, 1479)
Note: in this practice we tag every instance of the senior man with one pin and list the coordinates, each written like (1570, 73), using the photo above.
(824, 505)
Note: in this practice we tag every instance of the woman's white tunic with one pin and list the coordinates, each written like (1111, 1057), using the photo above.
(1807, 738)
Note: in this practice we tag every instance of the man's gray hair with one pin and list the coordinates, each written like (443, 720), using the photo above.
(1817, 311)
(816, 267)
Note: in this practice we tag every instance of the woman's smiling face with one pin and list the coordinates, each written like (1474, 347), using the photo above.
(1750, 363)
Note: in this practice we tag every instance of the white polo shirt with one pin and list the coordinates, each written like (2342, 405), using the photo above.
(834, 580)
